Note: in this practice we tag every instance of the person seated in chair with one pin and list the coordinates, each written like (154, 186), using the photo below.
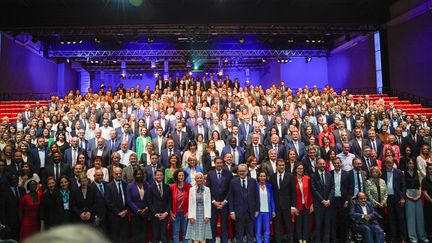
(365, 220)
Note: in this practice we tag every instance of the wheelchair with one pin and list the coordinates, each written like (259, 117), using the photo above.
(353, 235)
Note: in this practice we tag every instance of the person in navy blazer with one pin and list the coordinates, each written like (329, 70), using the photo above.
(164, 154)
(366, 224)
(116, 202)
(262, 222)
(323, 193)
(113, 143)
(233, 146)
(150, 170)
(69, 152)
(100, 186)
(137, 205)
(36, 159)
(125, 132)
(243, 203)
(301, 147)
(242, 127)
(395, 200)
(281, 151)
(180, 145)
(219, 189)
(159, 202)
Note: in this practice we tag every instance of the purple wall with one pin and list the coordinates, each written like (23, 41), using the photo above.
(410, 52)
(298, 73)
(353, 67)
(25, 72)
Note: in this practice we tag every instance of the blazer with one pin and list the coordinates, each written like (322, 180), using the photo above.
(156, 144)
(158, 203)
(195, 133)
(270, 196)
(51, 209)
(268, 168)
(106, 156)
(101, 208)
(206, 160)
(79, 204)
(148, 173)
(240, 152)
(163, 160)
(239, 203)
(219, 188)
(301, 146)
(351, 182)
(356, 149)
(9, 207)
(112, 197)
(174, 191)
(356, 213)
(34, 153)
(115, 146)
(285, 197)
(372, 191)
(262, 152)
(184, 140)
(133, 198)
(68, 155)
(187, 170)
(282, 151)
(307, 192)
(242, 129)
(49, 171)
(322, 191)
(192, 203)
(399, 187)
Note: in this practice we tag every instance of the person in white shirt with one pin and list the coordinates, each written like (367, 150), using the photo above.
(346, 157)
(124, 152)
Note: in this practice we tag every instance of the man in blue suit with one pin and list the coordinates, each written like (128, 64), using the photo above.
(218, 180)
(71, 154)
(126, 134)
(243, 203)
(396, 190)
(236, 151)
(39, 156)
(296, 145)
(323, 193)
(169, 150)
(365, 218)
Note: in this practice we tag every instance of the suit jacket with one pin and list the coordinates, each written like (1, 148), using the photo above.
(372, 192)
(307, 192)
(163, 160)
(379, 146)
(106, 156)
(352, 177)
(131, 140)
(301, 146)
(372, 162)
(79, 204)
(270, 196)
(113, 146)
(399, 187)
(281, 153)
(268, 168)
(156, 144)
(180, 145)
(356, 212)
(195, 132)
(243, 202)
(322, 191)
(309, 167)
(114, 201)
(262, 152)
(158, 203)
(285, 196)
(242, 129)
(192, 203)
(355, 148)
(345, 184)
(240, 153)
(101, 207)
(206, 160)
(67, 157)
(9, 207)
(49, 171)
(219, 188)
(148, 173)
(133, 198)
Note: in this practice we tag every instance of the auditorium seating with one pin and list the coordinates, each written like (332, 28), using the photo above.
(11, 108)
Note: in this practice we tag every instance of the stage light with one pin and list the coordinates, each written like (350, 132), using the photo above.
(313, 41)
(206, 73)
(96, 40)
(241, 40)
(68, 42)
(308, 59)
(220, 73)
(307, 41)
(263, 60)
(80, 42)
(278, 60)
(156, 75)
(150, 40)
(290, 59)
(62, 42)
(74, 42)
(188, 64)
(153, 64)
(190, 73)
(91, 61)
(226, 60)
(68, 60)
(290, 40)
(96, 61)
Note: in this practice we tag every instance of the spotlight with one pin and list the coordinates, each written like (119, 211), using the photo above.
(206, 73)
(68, 60)
(241, 40)
(153, 64)
(308, 59)
(220, 73)
(307, 41)
(62, 42)
(91, 61)
(290, 59)
(188, 64)
(96, 61)
(190, 73)
(278, 60)
(150, 40)
(74, 42)
(313, 41)
(263, 60)
(290, 40)
(68, 42)
(123, 75)
(156, 75)
(226, 60)
(80, 42)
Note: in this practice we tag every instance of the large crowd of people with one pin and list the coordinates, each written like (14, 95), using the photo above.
(205, 158)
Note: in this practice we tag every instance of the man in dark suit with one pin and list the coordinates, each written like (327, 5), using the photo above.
(236, 151)
(323, 193)
(243, 203)
(200, 128)
(414, 140)
(245, 127)
(113, 143)
(235, 134)
(126, 134)
(10, 197)
(396, 189)
(296, 145)
(357, 178)
(57, 169)
(103, 151)
(340, 201)
(256, 149)
(115, 197)
(150, 170)
(358, 142)
(367, 160)
(277, 146)
(180, 138)
(16, 165)
(165, 153)
(101, 209)
(159, 201)
(310, 161)
(20, 123)
(71, 154)
(374, 142)
(218, 180)
(284, 190)
(39, 156)
(365, 218)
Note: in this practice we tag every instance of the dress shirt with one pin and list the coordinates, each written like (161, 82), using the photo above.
(337, 182)
(390, 190)
(41, 152)
(346, 161)
(264, 205)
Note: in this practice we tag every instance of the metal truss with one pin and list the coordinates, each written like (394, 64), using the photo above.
(176, 54)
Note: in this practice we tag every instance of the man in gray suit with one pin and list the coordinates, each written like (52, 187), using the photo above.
(159, 141)
(127, 174)
(270, 166)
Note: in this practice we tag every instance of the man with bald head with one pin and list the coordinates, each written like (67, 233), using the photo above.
(71, 154)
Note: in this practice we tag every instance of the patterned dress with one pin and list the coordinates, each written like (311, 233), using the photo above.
(199, 230)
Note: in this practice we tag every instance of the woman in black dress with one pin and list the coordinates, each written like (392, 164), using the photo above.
(83, 202)
(51, 206)
(427, 192)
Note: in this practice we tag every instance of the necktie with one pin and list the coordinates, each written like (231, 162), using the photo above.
(399, 140)
(368, 163)
(125, 137)
(101, 189)
(57, 171)
(74, 156)
(414, 138)
(373, 145)
(234, 156)
(169, 152)
(296, 147)
(322, 178)
(16, 192)
(112, 144)
(280, 180)
(359, 182)
(378, 191)
(256, 152)
(154, 170)
(160, 189)
(244, 184)
(120, 191)
(219, 176)
(180, 140)
(84, 124)
(276, 148)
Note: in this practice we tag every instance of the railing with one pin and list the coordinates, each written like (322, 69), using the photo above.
(26, 96)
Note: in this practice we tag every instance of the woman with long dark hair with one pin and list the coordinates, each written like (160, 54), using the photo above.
(51, 206)
(28, 209)
(180, 204)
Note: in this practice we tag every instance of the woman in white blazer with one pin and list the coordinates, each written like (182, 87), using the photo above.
(199, 213)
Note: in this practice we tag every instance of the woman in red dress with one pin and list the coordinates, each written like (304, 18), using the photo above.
(29, 207)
